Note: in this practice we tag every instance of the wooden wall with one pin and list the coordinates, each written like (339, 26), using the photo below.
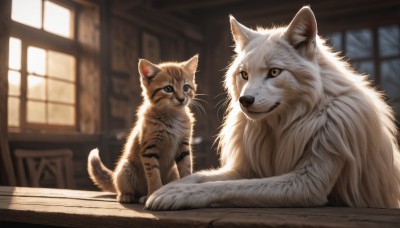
(89, 70)
(110, 45)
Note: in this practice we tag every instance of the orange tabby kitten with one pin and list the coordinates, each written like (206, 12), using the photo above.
(158, 149)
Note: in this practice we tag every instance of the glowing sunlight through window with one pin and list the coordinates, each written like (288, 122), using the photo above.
(54, 18)
(42, 82)
(14, 81)
(28, 12)
(57, 19)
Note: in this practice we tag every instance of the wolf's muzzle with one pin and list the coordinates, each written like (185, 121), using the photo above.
(246, 101)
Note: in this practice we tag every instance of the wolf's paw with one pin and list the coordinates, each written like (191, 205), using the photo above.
(126, 198)
(143, 199)
(178, 196)
(191, 179)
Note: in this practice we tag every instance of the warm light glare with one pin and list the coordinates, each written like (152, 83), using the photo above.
(60, 91)
(50, 75)
(61, 65)
(36, 87)
(14, 57)
(36, 60)
(61, 114)
(14, 82)
(13, 111)
(36, 112)
(28, 12)
(57, 19)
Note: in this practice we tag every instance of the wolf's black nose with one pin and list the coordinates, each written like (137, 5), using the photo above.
(246, 101)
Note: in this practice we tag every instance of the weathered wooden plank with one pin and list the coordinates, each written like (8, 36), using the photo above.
(308, 217)
(57, 207)
(55, 193)
(70, 208)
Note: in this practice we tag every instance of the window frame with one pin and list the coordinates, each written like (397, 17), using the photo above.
(43, 39)
(376, 57)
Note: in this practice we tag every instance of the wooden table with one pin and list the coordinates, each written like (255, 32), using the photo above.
(73, 208)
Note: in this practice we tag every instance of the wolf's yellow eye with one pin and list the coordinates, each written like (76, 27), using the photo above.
(274, 72)
(244, 75)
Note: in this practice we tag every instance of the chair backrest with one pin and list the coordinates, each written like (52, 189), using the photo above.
(36, 166)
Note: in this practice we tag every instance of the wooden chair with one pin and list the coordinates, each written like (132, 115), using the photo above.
(36, 164)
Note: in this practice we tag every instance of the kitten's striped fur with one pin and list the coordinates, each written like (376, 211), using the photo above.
(158, 149)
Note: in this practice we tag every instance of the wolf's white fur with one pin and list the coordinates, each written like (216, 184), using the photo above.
(331, 139)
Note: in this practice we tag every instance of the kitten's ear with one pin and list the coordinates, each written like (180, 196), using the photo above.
(147, 69)
(241, 34)
(302, 32)
(191, 64)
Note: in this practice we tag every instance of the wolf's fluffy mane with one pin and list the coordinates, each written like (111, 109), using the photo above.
(348, 118)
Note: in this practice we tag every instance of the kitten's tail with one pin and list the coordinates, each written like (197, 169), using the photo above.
(99, 173)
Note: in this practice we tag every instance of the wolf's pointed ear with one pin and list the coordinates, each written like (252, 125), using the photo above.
(241, 34)
(147, 70)
(302, 32)
(191, 64)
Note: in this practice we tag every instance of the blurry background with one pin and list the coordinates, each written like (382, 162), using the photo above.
(70, 67)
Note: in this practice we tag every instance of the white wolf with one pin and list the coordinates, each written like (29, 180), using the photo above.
(302, 129)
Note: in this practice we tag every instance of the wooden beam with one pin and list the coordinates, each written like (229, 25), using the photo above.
(88, 3)
(43, 38)
(190, 5)
(105, 71)
(5, 24)
(274, 12)
(126, 5)
(105, 53)
(162, 23)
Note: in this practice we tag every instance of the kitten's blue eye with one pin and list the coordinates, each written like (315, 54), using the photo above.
(186, 88)
(169, 89)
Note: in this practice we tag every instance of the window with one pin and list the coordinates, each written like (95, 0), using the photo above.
(42, 66)
(376, 52)
(55, 18)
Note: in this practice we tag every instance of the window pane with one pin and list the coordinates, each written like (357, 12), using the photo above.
(14, 83)
(36, 112)
(61, 91)
(28, 12)
(13, 111)
(390, 78)
(359, 43)
(365, 67)
(36, 87)
(389, 40)
(61, 114)
(36, 60)
(61, 65)
(14, 56)
(335, 40)
(57, 19)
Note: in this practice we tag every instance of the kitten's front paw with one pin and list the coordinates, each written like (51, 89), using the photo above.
(143, 199)
(178, 196)
(126, 198)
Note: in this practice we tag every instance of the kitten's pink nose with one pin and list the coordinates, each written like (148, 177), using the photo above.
(180, 99)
